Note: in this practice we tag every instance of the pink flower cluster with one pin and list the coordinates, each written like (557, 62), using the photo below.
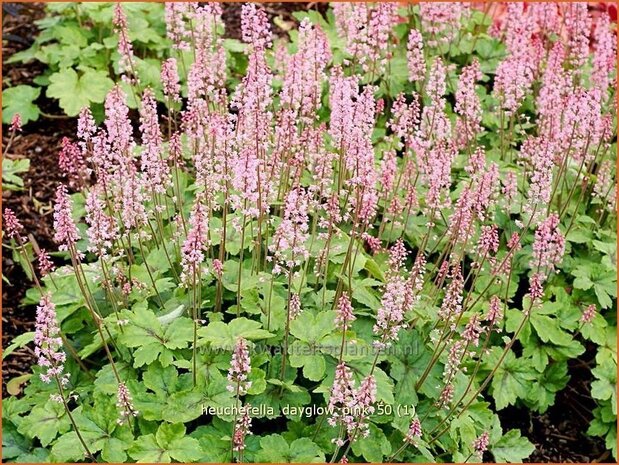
(102, 229)
(350, 407)
(345, 315)
(367, 30)
(241, 429)
(414, 431)
(16, 123)
(549, 244)
(240, 368)
(125, 48)
(288, 246)
(588, 314)
(414, 55)
(390, 315)
(66, 233)
(125, 404)
(310, 159)
(441, 20)
(48, 343)
(72, 163)
(155, 168)
(192, 251)
(468, 106)
(46, 266)
(480, 445)
(12, 225)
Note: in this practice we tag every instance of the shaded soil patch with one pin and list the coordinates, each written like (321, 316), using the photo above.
(280, 15)
(560, 434)
(18, 33)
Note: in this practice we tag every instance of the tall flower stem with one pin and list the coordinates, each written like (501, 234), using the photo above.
(241, 254)
(148, 270)
(438, 352)
(196, 291)
(37, 283)
(487, 380)
(98, 321)
(72, 420)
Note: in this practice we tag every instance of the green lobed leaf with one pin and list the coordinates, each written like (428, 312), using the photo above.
(511, 448)
(78, 91)
(20, 100)
(224, 336)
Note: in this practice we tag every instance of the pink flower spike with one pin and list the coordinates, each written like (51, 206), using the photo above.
(289, 240)
(488, 240)
(86, 128)
(589, 314)
(118, 125)
(72, 163)
(452, 303)
(44, 262)
(65, 231)
(364, 399)
(468, 105)
(102, 229)
(16, 123)
(415, 58)
(124, 44)
(155, 168)
(345, 314)
(473, 331)
(374, 243)
(255, 26)
(195, 244)
(176, 27)
(48, 343)
(12, 225)
(441, 20)
(414, 431)
(390, 315)
(480, 445)
(218, 268)
(125, 404)
(170, 80)
(536, 286)
(342, 397)
(495, 312)
(295, 306)
(549, 244)
(241, 429)
(397, 256)
(240, 367)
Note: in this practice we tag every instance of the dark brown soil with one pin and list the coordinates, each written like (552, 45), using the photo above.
(559, 434)
(39, 142)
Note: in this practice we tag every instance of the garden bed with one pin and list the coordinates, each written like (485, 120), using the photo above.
(559, 435)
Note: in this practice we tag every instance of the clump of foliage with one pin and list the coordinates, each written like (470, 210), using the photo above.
(80, 50)
(78, 46)
(384, 227)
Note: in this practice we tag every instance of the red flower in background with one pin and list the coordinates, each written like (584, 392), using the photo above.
(498, 11)
(608, 7)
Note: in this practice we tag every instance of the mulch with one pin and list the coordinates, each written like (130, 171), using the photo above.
(559, 434)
